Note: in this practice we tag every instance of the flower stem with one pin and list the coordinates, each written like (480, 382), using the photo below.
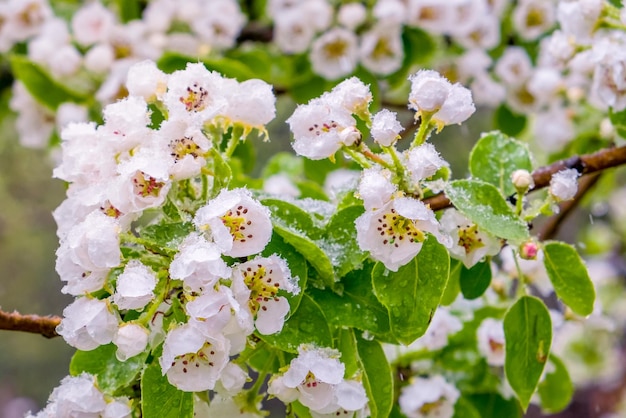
(423, 131)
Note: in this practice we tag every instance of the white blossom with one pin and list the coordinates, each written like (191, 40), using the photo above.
(470, 244)
(88, 323)
(381, 49)
(428, 397)
(280, 185)
(423, 162)
(92, 23)
(441, 327)
(335, 54)
(564, 184)
(376, 188)
(130, 339)
(394, 234)
(135, 286)
(385, 128)
(491, 344)
(256, 284)
(352, 15)
(238, 224)
(198, 263)
(316, 128)
(532, 18)
(192, 360)
(146, 80)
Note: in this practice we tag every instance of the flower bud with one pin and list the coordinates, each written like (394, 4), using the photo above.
(522, 180)
(529, 250)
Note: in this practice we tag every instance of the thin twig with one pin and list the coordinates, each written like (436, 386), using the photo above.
(44, 325)
(584, 164)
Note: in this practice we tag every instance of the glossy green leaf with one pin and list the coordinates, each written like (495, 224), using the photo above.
(41, 85)
(340, 242)
(476, 280)
(111, 373)
(495, 157)
(483, 204)
(356, 306)
(307, 325)
(412, 294)
(508, 122)
(528, 336)
(128, 10)
(284, 163)
(293, 217)
(556, 389)
(159, 399)
(569, 277)
(377, 377)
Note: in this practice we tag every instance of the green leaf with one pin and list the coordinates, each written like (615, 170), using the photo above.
(159, 399)
(508, 122)
(292, 216)
(465, 409)
(41, 85)
(340, 242)
(528, 336)
(569, 277)
(483, 204)
(377, 377)
(171, 61)
(495, 157)
(475, 281)
(618, 119)
(453, 287)
(167, 235)
(412, 294)
(356, 306)
(307, 325)
(111, 373)
(493, 405)
(284, 163)
(128, 10)
(556, 389)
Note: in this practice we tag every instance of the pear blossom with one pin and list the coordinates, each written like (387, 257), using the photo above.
(198, 263)
(238, 224)
(193, 360)
(34, 122)
(219, 23)
(470, 244)
(75, 396)
(353, 95)
(351, 15)
(532, 18)
(394, 233)
(428, 397)
(514, 66)
(339, 182)
(130, 339)
(579, 18)
(376, 188)
(256, 284)
(385, 127)
(293, 31)
(215, 309)
(232, 380)
(381, 49)
(442, 326)
(335, 54)
(135, 286)
(93, 23)
(423, 162)
(490, 337)
(88, 323)
(196, 93)
(251, 103)
(564, 184)
(310, 379)
(317, 128)
(146, 80)
(100, 58)
(93, 244)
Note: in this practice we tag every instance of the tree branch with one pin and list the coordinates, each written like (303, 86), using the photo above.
(584, 164)
(44, 325)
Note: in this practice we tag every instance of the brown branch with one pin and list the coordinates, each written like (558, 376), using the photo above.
(552, 225)
(44, 325)
(584, 164)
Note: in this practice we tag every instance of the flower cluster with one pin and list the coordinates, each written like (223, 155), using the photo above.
(126, 280)
(316, 379)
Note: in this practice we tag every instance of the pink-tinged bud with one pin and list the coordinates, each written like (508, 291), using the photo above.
(529, 250)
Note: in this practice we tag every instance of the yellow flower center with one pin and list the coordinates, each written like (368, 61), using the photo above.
(183, 146)
(469, 239)
(263, 287)
(196, 99)
(395, 228)
(145, 185)
(236, 223)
